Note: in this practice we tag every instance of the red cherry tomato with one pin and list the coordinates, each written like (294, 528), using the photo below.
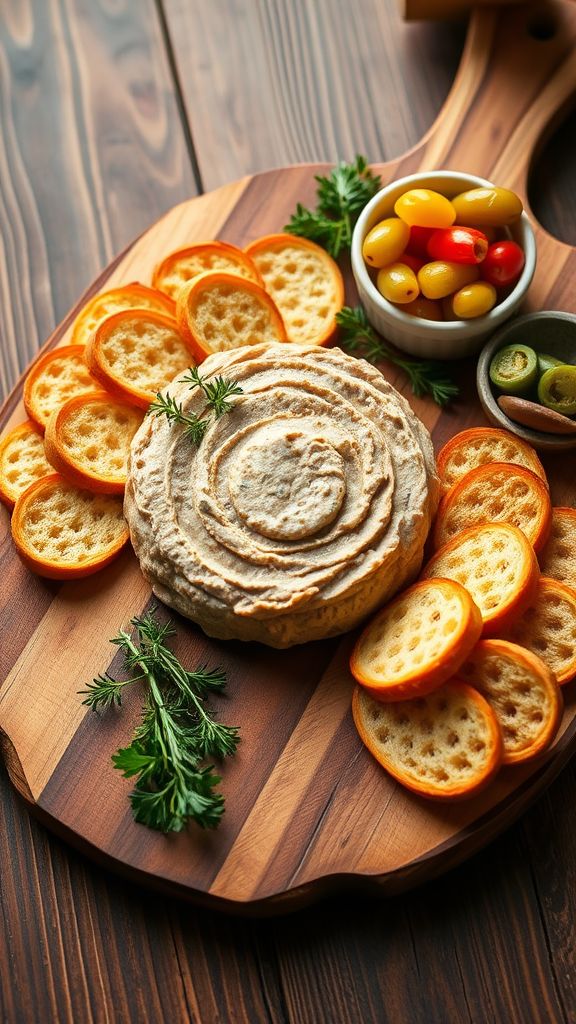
(503, 264)
(418, 241)
(458, 245)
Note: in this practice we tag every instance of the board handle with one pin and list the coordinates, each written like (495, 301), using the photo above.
(417, 10)
(515, 82)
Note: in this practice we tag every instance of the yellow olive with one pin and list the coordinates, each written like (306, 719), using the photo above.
(441, 277)
(487, 206)
(474, 300)
(385, 242)
(425, 308)
(397, 283)
(425, 208)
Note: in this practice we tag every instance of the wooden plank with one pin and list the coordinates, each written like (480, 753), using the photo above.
(91, 151)
(548, 836)
(49, 780)
(343, 961)
(255, 857)
(320, 81)
(84, 946)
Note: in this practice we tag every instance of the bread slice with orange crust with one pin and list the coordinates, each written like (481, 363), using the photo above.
(305, 283)
(417, 641)
(53, 379)
(479, 445)
(217, 312)
(558, 557)
(135, 353)
(127, 296)
(446, 745)
(548, 628)
(497, 565)
(180, 267)
(498, 492)
(523, 692)
(88, 441)
(22, 461)
(64, 533)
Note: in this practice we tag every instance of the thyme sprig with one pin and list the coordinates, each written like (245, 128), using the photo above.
(176, 735)
(339, 199)
(217, 392)
(166, 405)
(427, 376)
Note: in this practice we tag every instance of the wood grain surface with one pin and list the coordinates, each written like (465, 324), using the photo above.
(295, 827)
(490, 943)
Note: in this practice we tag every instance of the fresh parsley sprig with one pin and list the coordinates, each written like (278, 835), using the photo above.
(217, 392)
(339, 199)
(177, 732)
(427, 377)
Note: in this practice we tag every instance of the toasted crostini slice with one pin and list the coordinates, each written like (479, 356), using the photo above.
(446, 745)
(217, 312)
(523, 693)
(498, 492)
(479, 445)
(305, 283)
(127, 296)
(558, 556)
(417, 641)
(22, 461)
(496, 563)
(63, 532)
(180, 267)
(548, 628)
(135, 353)
(53, 379)
(88, 441)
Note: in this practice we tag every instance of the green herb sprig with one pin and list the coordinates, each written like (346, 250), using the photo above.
(339, 199)
(176, 735)
(217, 392)
(427, 377)
(166, 405)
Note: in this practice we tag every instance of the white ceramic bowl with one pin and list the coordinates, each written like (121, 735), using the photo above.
(452, 339)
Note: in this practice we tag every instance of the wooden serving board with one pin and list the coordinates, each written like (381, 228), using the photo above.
(307, 807)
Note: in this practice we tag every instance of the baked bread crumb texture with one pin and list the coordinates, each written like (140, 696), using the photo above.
(517, 564)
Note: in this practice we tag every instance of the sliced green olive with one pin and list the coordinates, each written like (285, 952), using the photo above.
(546, 362)
(557, 389)
(514, 369)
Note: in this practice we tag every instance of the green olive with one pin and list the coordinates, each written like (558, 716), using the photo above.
(514, 369)
(557, 389)
(492, 206)
(546, 362)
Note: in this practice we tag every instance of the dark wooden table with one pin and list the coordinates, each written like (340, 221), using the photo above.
(111, 112)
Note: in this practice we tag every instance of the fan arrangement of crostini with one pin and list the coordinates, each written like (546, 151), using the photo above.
(278, 489)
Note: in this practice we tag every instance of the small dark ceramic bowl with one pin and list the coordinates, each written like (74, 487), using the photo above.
(549, 331)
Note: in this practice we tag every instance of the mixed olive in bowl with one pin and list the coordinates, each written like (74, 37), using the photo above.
(441, 259)
(526, 379)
